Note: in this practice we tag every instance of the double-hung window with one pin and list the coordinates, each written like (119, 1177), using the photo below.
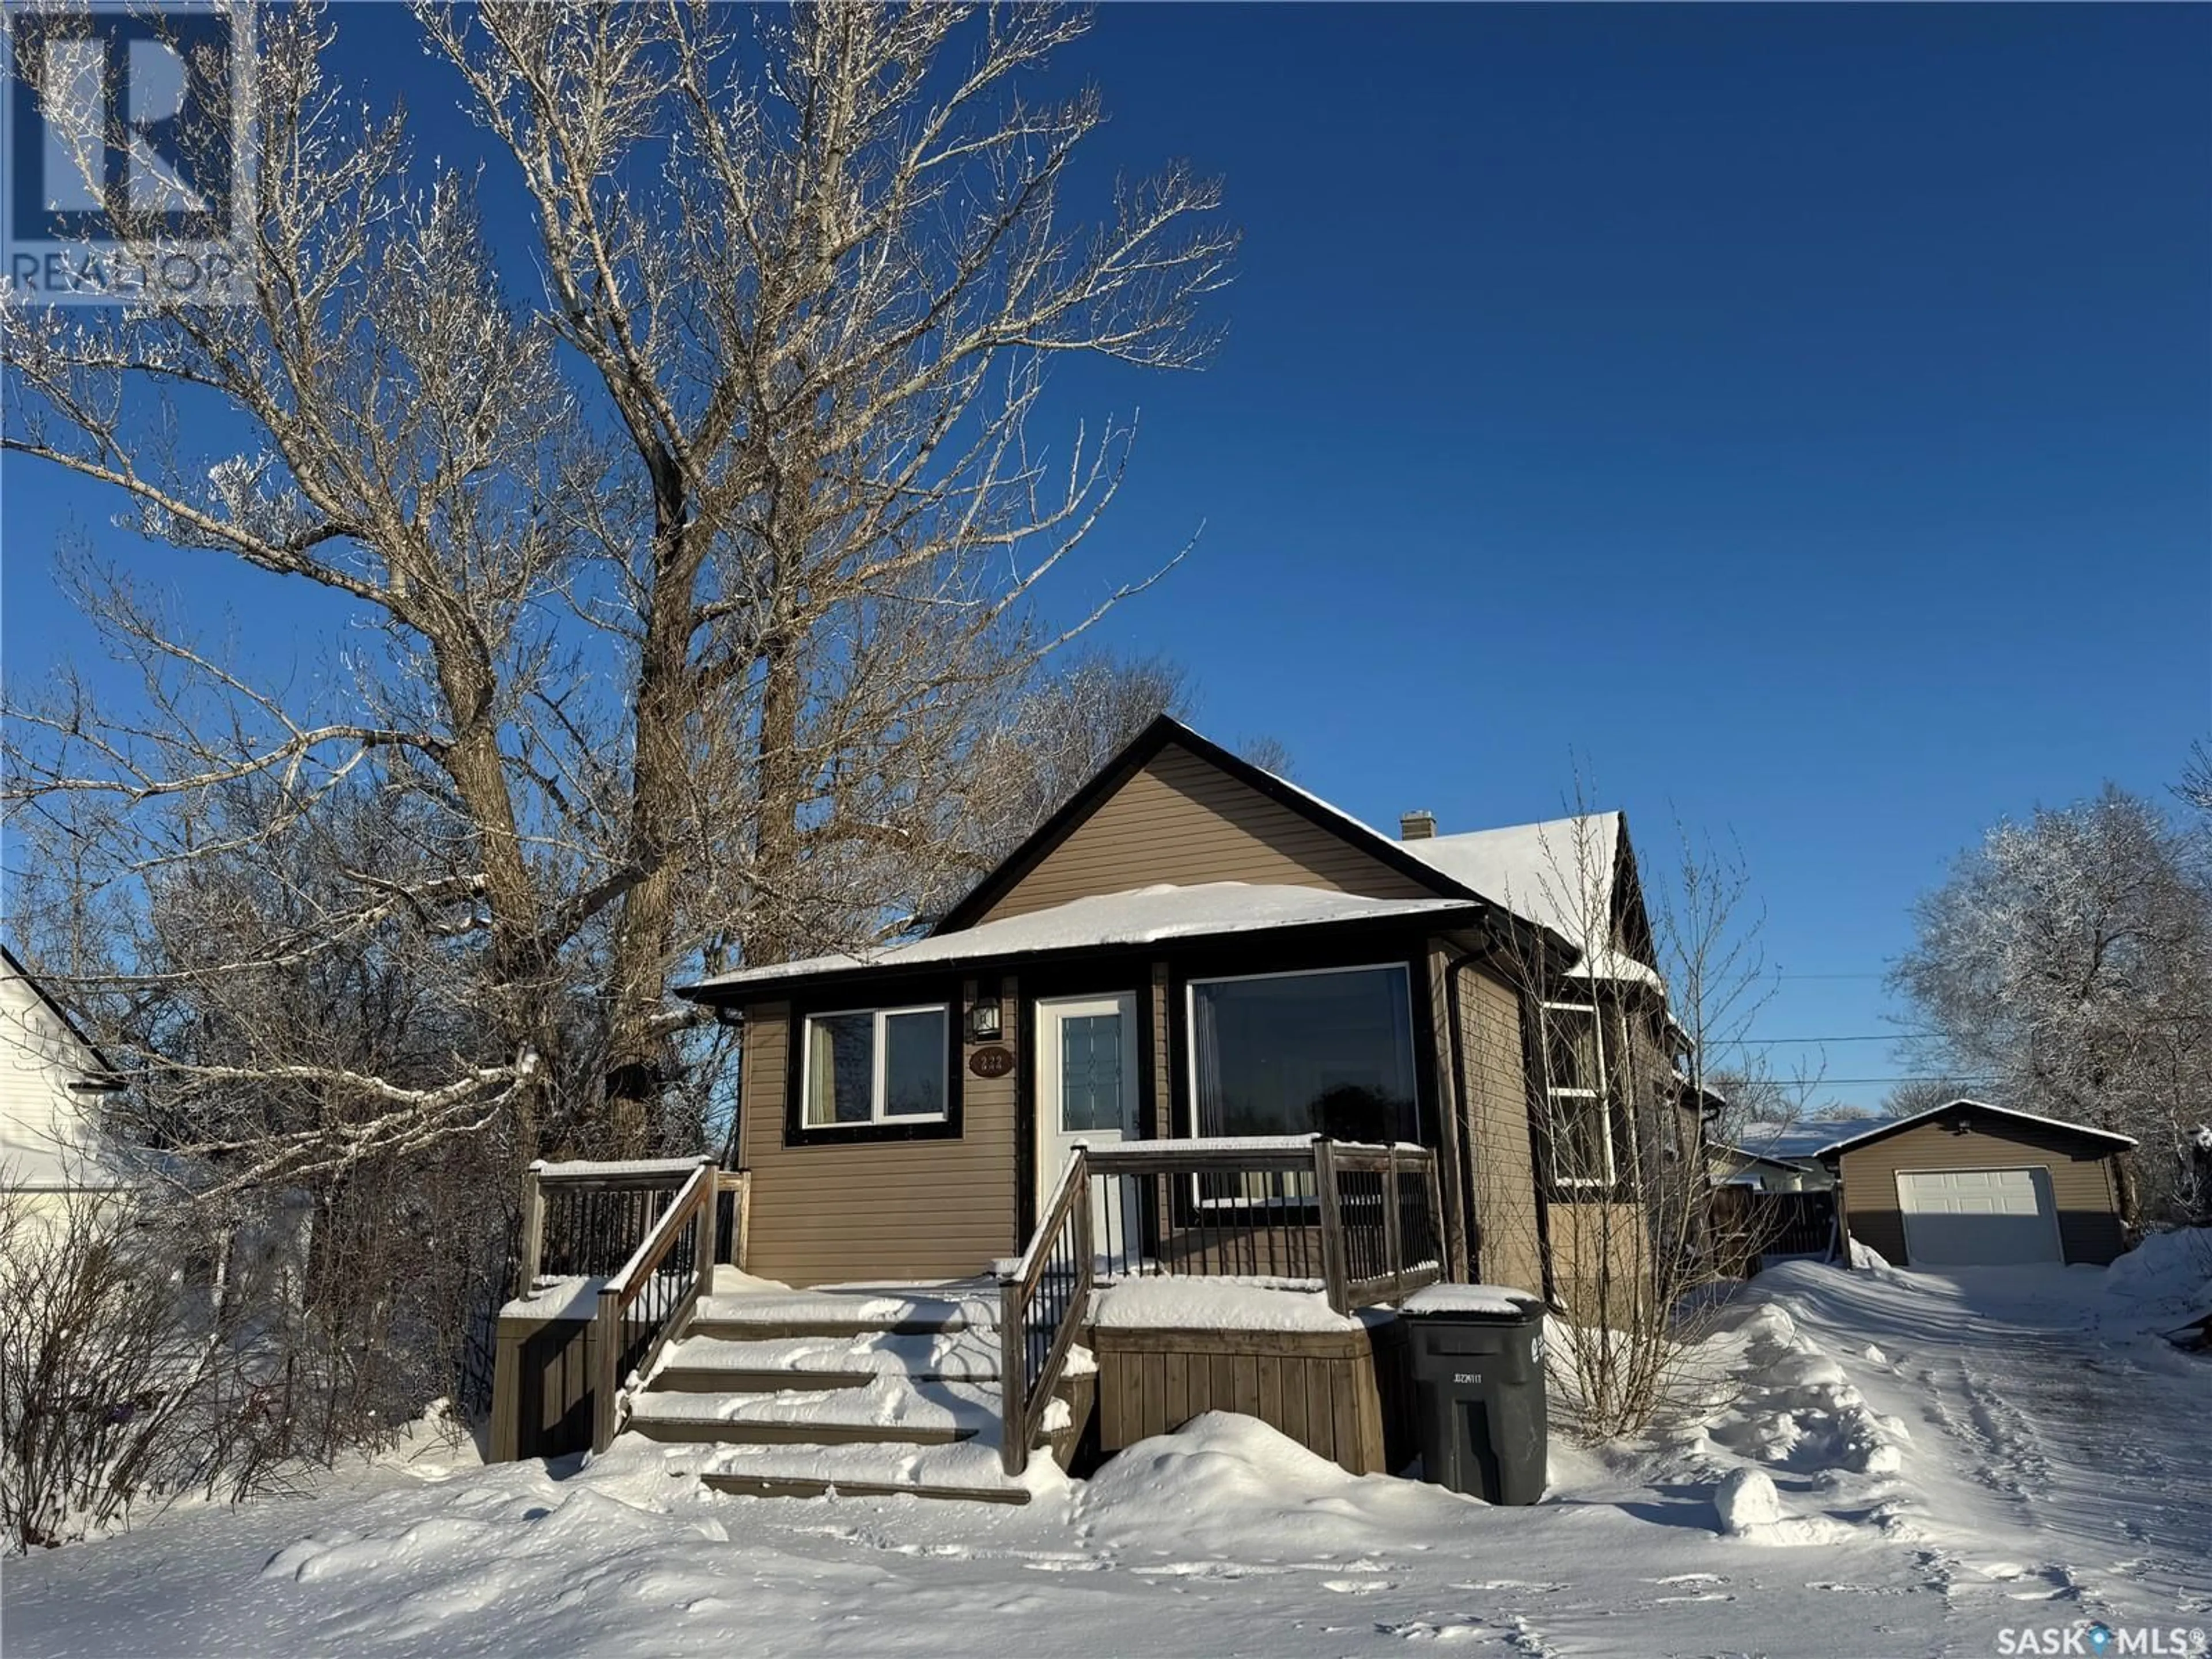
(879, 1066)
(1576, 1096)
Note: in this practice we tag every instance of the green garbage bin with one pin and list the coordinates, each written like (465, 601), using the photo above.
(1478, 1359)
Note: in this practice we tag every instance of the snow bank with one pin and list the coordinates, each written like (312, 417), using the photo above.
(1215, 1304)
(2170, 1271)
(1798, 1408)
(1750, 1509)
(1225, 1483)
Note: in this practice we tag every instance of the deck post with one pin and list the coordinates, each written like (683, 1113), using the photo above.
(703, 1236)
(533, 1230)
(1394, 1243)
(741, 1241)
(1436, 1196)
(1013, 1387)
(606, 1366)
(1332, 1225)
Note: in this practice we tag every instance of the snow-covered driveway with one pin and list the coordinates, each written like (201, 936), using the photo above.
(1949, 1459)
(2062, 1457)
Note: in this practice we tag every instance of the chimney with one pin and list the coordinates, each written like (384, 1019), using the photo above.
(1417, 826)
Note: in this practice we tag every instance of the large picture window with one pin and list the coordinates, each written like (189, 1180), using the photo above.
(876, 1066)
(1327, 1053)
(1575, 1094)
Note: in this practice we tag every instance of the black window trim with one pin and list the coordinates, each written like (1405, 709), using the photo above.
(797, 1132)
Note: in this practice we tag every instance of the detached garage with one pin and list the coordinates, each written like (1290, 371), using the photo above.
(1970, 1184)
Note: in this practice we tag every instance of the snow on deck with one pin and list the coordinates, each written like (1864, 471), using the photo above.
(572, 1297)
(1145, 915)
(1219, 1304)
(1215, 1143)
(577, 1168)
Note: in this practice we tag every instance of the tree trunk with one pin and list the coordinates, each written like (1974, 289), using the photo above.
(640, 1058)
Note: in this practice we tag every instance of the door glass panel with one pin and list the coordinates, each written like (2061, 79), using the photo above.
(1090, 1072)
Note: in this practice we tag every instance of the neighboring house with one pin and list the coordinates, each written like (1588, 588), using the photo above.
(1969, 1184)
(53, 1083)
(1192, 949)
(1778, 1157)
(1739, 1166)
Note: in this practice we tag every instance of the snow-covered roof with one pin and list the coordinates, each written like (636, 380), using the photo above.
(1145, 915)
(1558, 874)
(1803, 1140)
(1877, 1131)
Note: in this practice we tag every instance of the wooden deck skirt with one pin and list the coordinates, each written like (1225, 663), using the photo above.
(1346, 1395)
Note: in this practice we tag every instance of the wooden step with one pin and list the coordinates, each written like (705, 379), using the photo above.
(968, 1470)
(708, 1379)
(708, 1365)
(843, 1310)
(889, 1410)
(754, 1431)
(764, 1485)
(765, 1326)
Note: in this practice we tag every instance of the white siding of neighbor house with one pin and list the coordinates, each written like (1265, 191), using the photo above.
(45, 1127)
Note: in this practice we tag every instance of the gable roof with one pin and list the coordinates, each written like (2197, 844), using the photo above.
(2118, 1142)
(1536, 868)
(1146, 915)
(1803, 1140)
(1736, 1149)
(1562, 873)
(1165, 730)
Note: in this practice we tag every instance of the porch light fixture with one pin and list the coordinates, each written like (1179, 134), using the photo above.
(984, 1024)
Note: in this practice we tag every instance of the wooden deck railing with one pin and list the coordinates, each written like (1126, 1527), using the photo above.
(644, 1235)
(1041, 1307)
(1363, 1224)
(648, 1298)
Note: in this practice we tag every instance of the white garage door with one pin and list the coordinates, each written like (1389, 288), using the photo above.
(1969, 1218)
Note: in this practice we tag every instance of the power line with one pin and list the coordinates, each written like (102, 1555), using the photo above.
(1769, 1043)
(1861, 1082)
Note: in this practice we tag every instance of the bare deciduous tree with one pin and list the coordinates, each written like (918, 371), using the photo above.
(678, 574)
(2068, 959)
(1622, 1026)
(121, 1388)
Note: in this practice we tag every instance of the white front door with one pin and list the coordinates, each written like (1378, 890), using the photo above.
(1086, 1073)
(1966, 1218)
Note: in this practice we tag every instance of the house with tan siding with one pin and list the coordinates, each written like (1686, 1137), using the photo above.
(1194, 948)
(1171, 1113)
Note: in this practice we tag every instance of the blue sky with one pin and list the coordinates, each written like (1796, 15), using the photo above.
(1803, 414)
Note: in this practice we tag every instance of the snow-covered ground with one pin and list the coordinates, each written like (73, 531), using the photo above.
(1911, 1464)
